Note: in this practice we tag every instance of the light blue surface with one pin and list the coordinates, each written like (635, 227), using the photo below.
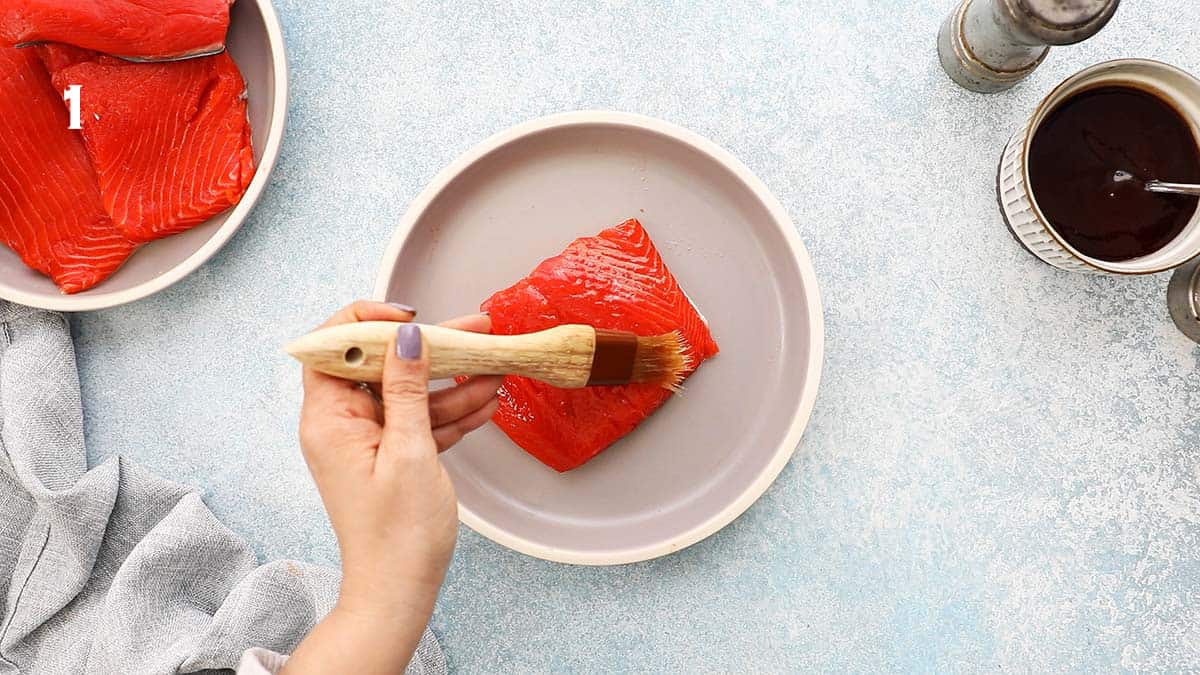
(1003, 468)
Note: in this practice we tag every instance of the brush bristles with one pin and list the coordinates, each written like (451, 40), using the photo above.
(662, 360)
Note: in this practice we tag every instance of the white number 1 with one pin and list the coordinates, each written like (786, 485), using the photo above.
(71, 95)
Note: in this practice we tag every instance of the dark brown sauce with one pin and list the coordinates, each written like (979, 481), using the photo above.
(1089, 162)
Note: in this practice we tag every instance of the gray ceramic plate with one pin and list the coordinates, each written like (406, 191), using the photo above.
(708, 453)
(256, 43)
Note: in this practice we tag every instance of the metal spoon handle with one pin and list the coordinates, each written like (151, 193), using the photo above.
(1173, 188)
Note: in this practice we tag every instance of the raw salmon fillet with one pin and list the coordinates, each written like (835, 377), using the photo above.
(147, 29)
(51, 213)
(169, 141)
(615, 280)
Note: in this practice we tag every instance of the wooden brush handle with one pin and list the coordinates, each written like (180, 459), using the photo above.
(561, 356)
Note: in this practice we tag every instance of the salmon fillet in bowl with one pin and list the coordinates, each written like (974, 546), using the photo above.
(131, 224)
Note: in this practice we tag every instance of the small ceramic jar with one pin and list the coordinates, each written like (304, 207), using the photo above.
(1020, 208)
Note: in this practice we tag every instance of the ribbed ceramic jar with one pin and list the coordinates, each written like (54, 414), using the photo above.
(1020, 208)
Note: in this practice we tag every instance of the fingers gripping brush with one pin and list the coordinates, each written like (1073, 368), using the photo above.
(569, 356)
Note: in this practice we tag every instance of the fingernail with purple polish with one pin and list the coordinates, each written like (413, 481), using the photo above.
(408, 341)
(403, 307)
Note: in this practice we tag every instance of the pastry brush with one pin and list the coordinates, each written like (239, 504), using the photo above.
(568, 356)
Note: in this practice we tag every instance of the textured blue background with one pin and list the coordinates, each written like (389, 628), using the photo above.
(1003, 468)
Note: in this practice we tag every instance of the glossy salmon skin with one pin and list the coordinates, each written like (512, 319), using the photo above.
(615, 280)
(170, 141)
(155, 29)
(51, 212)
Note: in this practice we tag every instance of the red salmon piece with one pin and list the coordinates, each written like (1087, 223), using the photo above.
(51, 212)
(614, 280)
(170, 141)
(162, 29)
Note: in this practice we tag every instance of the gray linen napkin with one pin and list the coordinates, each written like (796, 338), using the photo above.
(115, 570)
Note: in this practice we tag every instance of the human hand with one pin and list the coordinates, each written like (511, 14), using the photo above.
(375, 464)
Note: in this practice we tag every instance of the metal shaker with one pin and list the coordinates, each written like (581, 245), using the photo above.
(1183, 299)
(990, 45)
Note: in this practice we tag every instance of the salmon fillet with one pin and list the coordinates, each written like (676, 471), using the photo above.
(614, 280)
(170, 141)
(157, 29)
(51, 212)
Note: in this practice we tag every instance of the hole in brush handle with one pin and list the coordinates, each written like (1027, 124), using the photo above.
(354, 356)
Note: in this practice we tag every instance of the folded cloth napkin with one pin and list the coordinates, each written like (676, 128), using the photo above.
(115, 570)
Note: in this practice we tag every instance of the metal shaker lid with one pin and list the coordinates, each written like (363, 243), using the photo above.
(1059, 22)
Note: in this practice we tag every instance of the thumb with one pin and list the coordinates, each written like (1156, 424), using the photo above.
(405, 390)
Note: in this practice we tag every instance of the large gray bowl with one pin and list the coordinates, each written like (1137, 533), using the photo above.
(709, 452)
(256, 43)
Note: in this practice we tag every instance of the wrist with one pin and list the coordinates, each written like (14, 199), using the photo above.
(349, 641)
(380, 597)
(383, 573)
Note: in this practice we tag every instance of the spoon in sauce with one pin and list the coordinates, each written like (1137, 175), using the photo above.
(1158, 186)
